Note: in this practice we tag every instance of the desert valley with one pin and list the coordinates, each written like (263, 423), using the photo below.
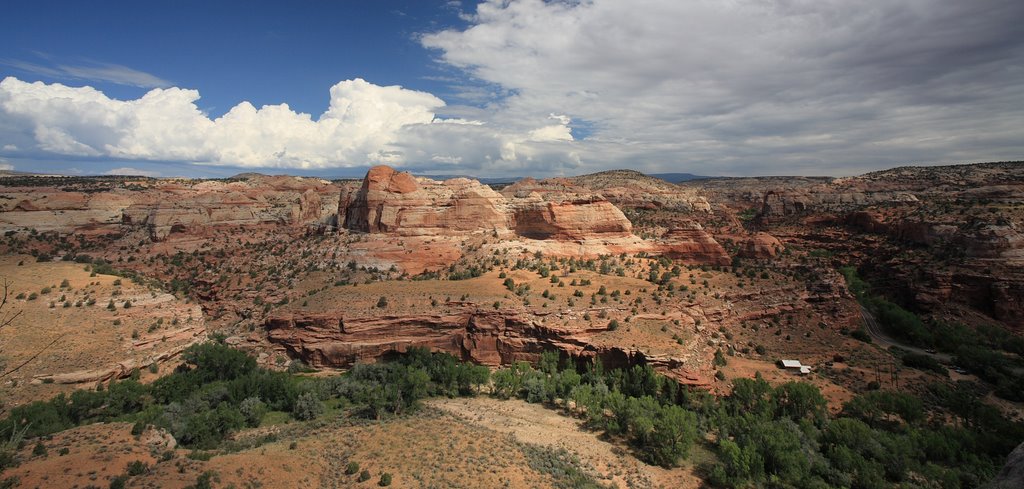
(606, 330)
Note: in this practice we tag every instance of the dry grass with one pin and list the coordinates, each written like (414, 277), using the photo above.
(430, 448)
(84, 337)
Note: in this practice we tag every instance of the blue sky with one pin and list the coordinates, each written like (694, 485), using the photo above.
(264, 52)
(521, 87)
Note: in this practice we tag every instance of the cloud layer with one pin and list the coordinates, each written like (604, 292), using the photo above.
(704, 86)
(364, 124)
(758, 86)
(94, 72)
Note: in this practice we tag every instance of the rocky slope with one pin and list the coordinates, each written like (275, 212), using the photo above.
(624, 188)
(166, 207)
(937, 238)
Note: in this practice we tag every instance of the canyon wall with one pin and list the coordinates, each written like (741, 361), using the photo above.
(487, 337)
(165, 207)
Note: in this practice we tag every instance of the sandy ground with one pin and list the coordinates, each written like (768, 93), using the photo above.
(73, 341)
(428, 449)
(535, 424)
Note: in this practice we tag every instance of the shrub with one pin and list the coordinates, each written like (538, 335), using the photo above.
(307, 407)
(382, 302)
(385, 480)
(137, 467)
(118, 482)
(924, 362)
(138, 428)
(205, 429)
(351, 468)
(861, 335)
(252, 409)
(364, 476)
(720, 360)
(204, 481)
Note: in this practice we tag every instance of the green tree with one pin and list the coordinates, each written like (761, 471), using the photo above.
(675, 432)
(799, 400)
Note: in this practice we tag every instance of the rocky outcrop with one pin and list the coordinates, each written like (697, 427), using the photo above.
(487, 337)
(626, 189)
(165, 207)
(149, 350)
(980, 240)
(995, 241)
(760, 246)
(52, 209)
(570, 220)
(826, 199)
(1012, 474)
(398, 203)
(558, 223)
(632, 189)
(689, 241)
(197, 209)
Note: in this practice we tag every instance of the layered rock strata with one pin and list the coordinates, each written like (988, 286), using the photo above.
(557, 223)
(487, 337)
(165, 207)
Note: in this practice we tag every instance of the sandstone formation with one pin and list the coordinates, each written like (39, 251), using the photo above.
(487, 337)
(690, 241)
(560, 219)
(165, 207)
(570, 220)
(629, 189)
(940, 238)
(396, 202)
(399, 203)
(760, 246)
(824, 199)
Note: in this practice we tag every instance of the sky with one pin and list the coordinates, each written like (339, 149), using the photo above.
(509, 87)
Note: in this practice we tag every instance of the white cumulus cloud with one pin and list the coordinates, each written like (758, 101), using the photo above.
(363, 124)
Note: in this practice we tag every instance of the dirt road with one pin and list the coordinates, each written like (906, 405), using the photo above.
(879, 336)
